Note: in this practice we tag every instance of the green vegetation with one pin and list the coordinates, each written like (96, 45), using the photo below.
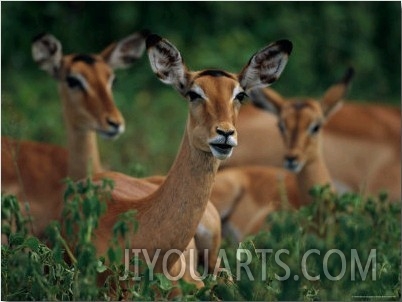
(351, 247)
(327, 38)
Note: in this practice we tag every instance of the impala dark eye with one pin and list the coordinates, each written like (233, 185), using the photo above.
(241, 97)
(314, 129)
(73, 82)
(193, 96)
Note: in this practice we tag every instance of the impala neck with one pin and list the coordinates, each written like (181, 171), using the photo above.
(314, 172)
(178, 205)
(83, 155)
(82, 146)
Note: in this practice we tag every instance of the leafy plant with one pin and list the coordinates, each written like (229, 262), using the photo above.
(339, 247)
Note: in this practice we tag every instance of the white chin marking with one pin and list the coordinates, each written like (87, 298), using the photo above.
(294, 169)
(220, 155)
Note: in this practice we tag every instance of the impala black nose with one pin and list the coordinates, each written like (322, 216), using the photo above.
(291, 159)
(114, 124)
(225, 133)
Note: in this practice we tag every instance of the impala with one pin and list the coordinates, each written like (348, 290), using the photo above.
(168, 217)
(207, 239)
(33, 171)
(348, 135)
(244, 196)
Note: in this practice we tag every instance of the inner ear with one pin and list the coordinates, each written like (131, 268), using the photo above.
(334, 96)
(166, 62)
(47, 53)
(267, 99)
(266, 65)
(330, 106)
(123, 53)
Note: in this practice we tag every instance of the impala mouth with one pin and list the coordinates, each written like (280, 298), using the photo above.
(110, 134)
(222, 148)
(293, 166)
(221, 151)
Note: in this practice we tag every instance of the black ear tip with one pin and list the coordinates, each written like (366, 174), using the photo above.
(285, 45)
(350, 72)
(152, 40)
(145, 32)
(38, 37)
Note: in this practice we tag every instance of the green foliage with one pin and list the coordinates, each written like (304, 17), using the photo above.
(67, 267)
(365, 232)
(340, 248)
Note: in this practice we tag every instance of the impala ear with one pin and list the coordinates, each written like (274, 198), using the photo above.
(47, 53)
(267, 99)
(266, 65)
(166, 62)
(123, 53)
(334, 96)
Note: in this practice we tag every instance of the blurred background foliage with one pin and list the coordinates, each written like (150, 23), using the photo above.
(327, 36)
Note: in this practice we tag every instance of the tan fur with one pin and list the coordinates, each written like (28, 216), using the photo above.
(164, 211)
(348, 135)
(208, 234)
(244, 196)
(34, 172)
(168, 217)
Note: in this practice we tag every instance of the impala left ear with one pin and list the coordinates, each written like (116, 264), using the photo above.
(166, 62)
(123, 53)
(266, 65)
(267, 99)
(47, 53)
(333, 97)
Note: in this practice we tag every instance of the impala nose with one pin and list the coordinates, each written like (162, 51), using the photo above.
(113, 124)
(114, 128)
(291, 163)
(225, 133)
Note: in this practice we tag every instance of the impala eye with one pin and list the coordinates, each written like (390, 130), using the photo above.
(73, 82)
(241, 97)
(193, 96)
(315, 128)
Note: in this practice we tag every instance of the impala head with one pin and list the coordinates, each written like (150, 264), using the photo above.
(215, 96)
(300, 120)
(86, 80)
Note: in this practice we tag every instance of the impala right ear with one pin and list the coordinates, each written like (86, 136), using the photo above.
(166, 62)
(266, 65)
(123, 53)
(47, 53)
(267, 99)
(333, 97)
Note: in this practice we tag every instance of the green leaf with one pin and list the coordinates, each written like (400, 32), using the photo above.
(163, 282)
(32, 243)
(100, 268)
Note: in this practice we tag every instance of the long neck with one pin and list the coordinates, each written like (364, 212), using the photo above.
(83, 155)
(314, 172)
(176, 208)
(82, 146)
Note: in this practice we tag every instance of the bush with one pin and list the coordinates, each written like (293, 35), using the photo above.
(340, 248)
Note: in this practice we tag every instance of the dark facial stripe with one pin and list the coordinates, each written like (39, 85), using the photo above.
(295, 133)
(214, 73)
(300, 105)
(88, 59)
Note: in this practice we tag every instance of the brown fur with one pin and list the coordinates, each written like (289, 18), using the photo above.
(168, 217)
(34, 172)
(348, 135)
(244, 196)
